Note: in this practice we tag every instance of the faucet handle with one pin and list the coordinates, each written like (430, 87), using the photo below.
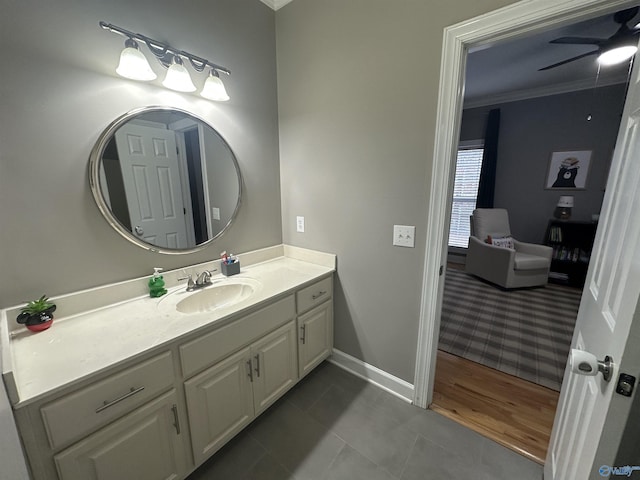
(189, 279)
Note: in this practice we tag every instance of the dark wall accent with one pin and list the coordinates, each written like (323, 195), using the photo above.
(530, 131)
(487, 186)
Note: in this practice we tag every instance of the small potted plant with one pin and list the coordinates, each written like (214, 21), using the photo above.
(37, 315)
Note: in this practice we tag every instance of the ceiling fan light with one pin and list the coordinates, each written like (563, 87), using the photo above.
(617, 55)
(214, 88)
(133, 64)
(178, 77)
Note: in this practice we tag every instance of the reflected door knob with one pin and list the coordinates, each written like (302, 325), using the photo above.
(585, 363)
(139, 230)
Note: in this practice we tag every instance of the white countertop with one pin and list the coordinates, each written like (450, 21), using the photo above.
(85, 343)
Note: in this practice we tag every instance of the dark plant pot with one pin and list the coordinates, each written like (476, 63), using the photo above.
(36, 322)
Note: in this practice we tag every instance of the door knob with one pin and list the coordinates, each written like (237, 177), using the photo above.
(139, 230)
(585, 363)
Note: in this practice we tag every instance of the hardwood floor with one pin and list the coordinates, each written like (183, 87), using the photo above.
(511, 411)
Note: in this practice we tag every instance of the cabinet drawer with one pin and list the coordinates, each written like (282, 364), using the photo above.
(220, 343)
(75, 415)
(315, 294)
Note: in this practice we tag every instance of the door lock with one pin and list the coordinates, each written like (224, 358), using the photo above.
(625, 384)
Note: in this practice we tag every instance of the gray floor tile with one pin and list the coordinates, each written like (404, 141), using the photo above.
(296, 440)
(377, 437)
(234, 460)
(429, 461)
(267, 468)
(351, 465)
(448, 434)
(501, 463)
(310, 389)
(335, 426)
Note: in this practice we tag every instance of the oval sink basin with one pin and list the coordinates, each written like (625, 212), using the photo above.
(216, 296)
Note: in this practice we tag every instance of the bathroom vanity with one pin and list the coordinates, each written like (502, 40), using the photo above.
(124, 386)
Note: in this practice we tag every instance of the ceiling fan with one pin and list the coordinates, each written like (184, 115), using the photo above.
(620, 46)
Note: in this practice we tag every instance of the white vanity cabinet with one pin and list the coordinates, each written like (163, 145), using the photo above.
(128, 425)
(249, 363)
(315, 324)
(223, 399)
(159, 412)
(147, 444)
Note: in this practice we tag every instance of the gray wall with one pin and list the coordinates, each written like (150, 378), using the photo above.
(530, 130)
(59, 91)
(357, 94)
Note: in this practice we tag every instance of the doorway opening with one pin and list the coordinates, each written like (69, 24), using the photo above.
(546, 213)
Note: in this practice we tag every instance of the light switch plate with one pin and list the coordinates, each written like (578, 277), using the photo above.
(300, 224)
(215, 213)
(404, 235)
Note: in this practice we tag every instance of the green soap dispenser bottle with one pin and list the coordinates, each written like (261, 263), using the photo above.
(156, 284)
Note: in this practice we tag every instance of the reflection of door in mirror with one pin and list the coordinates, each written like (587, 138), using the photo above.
(152, 185)
(165, 180)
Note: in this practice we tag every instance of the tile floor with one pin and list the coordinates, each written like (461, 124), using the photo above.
(335, 426)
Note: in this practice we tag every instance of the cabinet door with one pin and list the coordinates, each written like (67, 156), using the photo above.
(315, 343)
(275, 366)
(220, 404)
(147, 444)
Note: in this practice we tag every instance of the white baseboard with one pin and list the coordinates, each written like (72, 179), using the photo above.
(394, 385)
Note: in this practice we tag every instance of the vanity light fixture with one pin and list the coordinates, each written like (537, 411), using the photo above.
(214, 88)
(178, 77)
(134, 65)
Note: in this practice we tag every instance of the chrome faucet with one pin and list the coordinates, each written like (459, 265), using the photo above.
(204, 278)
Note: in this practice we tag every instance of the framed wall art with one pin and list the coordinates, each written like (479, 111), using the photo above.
(568, 170)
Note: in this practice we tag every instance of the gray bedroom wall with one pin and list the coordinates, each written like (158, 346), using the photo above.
(59, 91)
(530, 130)
(357, 91)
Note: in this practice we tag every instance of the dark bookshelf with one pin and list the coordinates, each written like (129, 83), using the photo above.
(572, 243)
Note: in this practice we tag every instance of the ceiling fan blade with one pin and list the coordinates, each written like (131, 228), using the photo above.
(549, 67)
(578, 40)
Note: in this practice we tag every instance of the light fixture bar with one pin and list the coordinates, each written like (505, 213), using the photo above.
(165, 52)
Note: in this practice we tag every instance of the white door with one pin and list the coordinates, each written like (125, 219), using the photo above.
(605, 316)
(151, 176)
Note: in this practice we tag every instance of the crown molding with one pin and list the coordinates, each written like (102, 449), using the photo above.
(276, 4)
(545, 91)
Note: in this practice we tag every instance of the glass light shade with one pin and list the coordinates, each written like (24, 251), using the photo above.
(134, 65)
(617, 55)
(214, 88)
(178, 78)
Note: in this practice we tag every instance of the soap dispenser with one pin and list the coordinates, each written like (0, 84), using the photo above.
(156, 284)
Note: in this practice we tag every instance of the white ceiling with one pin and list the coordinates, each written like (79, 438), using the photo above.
(276, 4)
(509, 71)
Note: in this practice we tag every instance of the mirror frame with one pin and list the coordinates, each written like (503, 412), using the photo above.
(95, 159)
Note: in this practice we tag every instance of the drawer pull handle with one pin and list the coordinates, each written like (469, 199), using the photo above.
(318, 295)
(250, 374)
(303, 338)
(257, 357)
(130, 393)
(176, 419)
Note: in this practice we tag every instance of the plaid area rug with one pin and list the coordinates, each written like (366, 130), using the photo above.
(526, 333)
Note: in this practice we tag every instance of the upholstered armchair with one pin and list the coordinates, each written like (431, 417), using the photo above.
(524, 265)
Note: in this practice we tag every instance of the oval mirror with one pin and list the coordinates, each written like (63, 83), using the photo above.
(165, 180)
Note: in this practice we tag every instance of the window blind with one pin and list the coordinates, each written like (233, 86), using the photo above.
(465, 192)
